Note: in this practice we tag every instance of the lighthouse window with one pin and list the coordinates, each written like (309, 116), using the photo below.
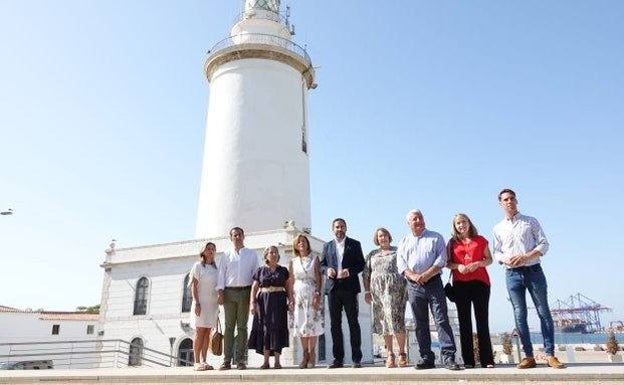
(304, 118)
(187, 298)
(304, 143)
(140, 297)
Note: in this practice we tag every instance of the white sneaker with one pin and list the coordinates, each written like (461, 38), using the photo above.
(199, 366)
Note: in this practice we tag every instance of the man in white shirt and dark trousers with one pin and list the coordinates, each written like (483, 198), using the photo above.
(342, 261)
(236, 269)
(519, 242)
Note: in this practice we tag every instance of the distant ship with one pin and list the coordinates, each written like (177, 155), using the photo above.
(571, 326)
(578, 328)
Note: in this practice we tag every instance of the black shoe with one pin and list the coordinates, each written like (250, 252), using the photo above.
(450, 364)
(422, 364)
(468, 366)
(356, 365)
(335, 365)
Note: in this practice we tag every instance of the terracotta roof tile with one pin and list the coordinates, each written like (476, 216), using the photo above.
(68, 316)
(7, 309)
(53, 315)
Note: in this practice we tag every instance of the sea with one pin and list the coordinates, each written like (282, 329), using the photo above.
(578, 338)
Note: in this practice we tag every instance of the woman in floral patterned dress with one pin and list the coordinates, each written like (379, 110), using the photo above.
(308, 313)
(386, 289)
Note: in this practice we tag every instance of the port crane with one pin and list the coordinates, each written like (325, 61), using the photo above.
(578, 314)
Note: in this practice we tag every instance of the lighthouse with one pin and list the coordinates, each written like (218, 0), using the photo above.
(255, 175)
(255, 170)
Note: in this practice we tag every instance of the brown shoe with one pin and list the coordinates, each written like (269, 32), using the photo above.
(553, 362)
(304, 360)
(402, 360)
(225, 366)
(241, 366)
(527, 363)
(390, 361)
(311, 360)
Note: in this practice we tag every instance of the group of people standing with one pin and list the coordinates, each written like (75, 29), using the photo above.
(392, 278)
(267, 292)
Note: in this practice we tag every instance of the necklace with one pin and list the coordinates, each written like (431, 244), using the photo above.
(303, 266)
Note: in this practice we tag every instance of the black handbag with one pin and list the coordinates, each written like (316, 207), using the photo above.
(449, 289)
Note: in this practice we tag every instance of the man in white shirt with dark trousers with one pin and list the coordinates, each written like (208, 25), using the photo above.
(342, 261)
(236, 269)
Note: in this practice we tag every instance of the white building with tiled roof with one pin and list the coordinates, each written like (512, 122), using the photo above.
(18, 325)
(146, 299)
(27, 332)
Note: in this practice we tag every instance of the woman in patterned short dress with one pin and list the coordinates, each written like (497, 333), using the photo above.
(308, 313)
(387, 290)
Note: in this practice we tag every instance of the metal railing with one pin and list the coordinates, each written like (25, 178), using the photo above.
(260, 38)
(87, 354)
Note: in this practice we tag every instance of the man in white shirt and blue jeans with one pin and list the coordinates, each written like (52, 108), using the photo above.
(236, 269)
(519, 242)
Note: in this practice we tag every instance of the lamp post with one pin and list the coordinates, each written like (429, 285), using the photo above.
(171, 342)
(7, 212)
(516, 335)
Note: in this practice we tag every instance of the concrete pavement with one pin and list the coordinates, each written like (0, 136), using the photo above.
(594, 373)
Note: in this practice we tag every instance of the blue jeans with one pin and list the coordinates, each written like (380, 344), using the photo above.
(531, 278)
(421, 298)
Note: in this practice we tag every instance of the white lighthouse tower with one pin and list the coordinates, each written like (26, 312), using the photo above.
(255, 175)
(255, 171)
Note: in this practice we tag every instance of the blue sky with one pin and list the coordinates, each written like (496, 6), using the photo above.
(434, 105)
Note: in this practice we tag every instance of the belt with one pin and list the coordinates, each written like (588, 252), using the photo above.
(272, 289)
(238, 287)
(521, 269)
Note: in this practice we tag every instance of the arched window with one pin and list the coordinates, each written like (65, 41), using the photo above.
(187, 297)
(185, 353)
(135, 352)
(140, 297)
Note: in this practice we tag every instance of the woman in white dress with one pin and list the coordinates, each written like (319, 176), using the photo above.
(308, 313)
(206, 309)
